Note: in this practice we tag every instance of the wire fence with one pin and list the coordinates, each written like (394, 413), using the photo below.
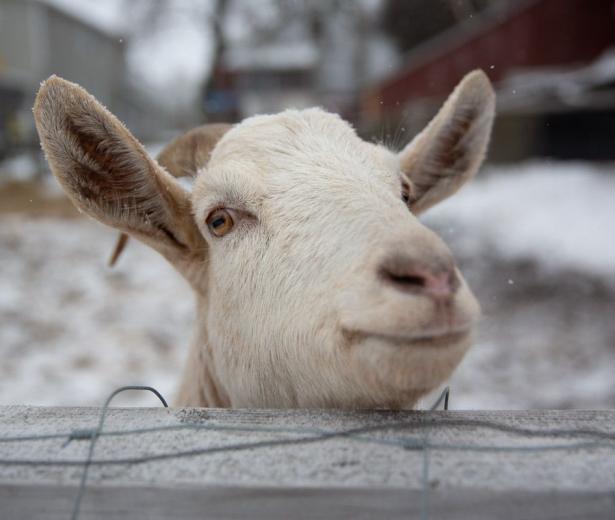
(576, 439)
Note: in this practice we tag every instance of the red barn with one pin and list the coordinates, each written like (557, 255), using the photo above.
(512, 35)
(534, 51)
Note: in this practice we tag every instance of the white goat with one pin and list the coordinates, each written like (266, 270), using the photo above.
(316, 284)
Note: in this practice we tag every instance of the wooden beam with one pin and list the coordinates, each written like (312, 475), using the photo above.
(204, 463)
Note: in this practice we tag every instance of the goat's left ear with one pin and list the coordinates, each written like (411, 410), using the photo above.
(107, 173)
(452, 147)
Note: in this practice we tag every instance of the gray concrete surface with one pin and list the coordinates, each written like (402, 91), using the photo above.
(306, 464)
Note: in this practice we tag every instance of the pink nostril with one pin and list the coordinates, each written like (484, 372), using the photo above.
(440, 286)
(437, 282)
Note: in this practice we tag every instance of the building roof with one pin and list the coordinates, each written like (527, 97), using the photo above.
(105, 17)
(272, 56)
(505, 38)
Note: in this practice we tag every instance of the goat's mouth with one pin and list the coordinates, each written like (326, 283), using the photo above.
(436, 339)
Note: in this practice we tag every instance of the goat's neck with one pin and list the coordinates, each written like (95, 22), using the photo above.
(199, 385)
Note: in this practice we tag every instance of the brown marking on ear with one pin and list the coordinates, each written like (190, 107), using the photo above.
(450, 156)
(107, 168)
(453, 150)
(171, 236)
(91, 147)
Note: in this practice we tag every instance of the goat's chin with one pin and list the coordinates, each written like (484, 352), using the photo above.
(442, 339)
(415, 364)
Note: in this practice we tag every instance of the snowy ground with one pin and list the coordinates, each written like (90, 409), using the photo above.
(71, 328)
(536, 243)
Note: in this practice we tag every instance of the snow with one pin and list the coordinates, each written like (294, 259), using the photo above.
(560, 214)
(72, 328)
(533, 240)
(536, 244)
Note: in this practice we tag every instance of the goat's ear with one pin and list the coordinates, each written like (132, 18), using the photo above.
(185, 154)
(452, 147)
(183, 157)
(107, 173)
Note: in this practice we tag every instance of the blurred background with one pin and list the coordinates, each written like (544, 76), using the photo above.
(534, 233)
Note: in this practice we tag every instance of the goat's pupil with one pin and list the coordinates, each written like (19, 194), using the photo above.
(218, 222)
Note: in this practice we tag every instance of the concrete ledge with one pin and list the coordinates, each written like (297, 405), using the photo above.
(204, 463)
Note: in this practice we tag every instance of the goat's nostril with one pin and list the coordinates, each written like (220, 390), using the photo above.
(442, 285)
(407, 280)
(414, 277)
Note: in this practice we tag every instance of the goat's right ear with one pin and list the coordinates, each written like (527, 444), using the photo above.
(107, 173)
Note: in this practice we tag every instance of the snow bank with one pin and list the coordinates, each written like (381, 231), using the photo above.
(560, 214)
(71, 329)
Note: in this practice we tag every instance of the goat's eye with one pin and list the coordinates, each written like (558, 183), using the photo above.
(220, 222)
(405, 193)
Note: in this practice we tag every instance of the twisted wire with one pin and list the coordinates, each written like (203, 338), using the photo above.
(592, 438)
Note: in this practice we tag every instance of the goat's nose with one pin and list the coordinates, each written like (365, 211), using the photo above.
(436, 279)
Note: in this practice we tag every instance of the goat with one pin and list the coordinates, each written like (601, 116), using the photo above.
(316, 284)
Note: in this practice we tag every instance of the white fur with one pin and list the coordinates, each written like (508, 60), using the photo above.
(292, 310)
